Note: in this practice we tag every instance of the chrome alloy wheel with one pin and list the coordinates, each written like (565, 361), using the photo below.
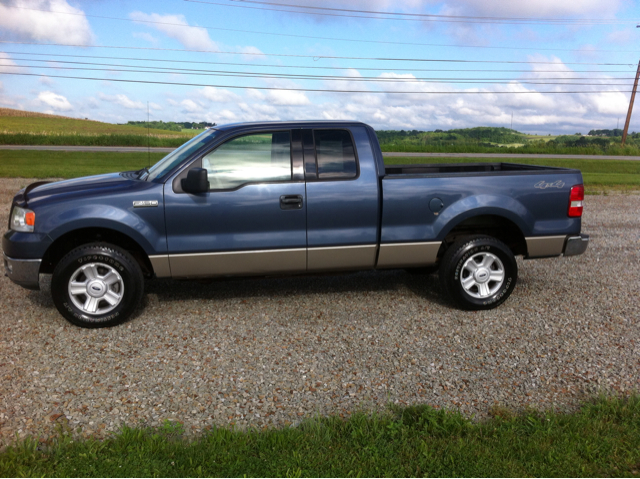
(482, 275)
(96, 288)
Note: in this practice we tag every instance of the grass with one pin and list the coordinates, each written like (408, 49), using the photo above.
(601, 439)
(46, 126)
(614, 150)
(75, 139)
(598, 175)
(69, 164)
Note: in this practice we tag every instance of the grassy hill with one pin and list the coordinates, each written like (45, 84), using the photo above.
(31, 128)
(503, 140)
(18, 121)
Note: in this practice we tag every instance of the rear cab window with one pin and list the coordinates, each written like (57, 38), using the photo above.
(335, 155)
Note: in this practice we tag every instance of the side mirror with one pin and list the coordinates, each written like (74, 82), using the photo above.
(197, 181)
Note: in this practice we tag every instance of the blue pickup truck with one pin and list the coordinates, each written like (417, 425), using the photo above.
(284, 198)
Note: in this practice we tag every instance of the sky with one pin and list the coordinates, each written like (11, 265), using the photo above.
(540, 66)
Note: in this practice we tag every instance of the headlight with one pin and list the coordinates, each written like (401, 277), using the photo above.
(22, 220)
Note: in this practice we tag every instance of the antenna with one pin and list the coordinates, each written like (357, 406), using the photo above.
(148, 138)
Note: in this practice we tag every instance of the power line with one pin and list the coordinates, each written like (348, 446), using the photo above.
(428, 15)
(311, 36)
(422, 17)
(323, 57)
(164, 70)
(323, 90)
(309, 67)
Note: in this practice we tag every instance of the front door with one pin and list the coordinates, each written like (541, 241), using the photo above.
(253, 218)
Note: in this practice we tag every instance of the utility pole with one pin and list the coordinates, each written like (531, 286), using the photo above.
(633, 97)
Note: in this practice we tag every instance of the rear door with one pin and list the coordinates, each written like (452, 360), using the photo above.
(342, 199)
(253, 218)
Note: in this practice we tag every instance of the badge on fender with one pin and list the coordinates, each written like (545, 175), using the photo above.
(145, 204)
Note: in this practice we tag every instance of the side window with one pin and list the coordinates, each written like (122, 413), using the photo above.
(251, 158)
(335, 154)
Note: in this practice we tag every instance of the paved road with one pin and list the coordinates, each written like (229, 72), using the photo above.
(116, 149)
(131, 149)
(513, 155)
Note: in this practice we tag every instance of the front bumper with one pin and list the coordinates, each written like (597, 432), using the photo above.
(24, 272)
(576, 245)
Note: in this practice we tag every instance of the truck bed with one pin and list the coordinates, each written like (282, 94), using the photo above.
(449, 168)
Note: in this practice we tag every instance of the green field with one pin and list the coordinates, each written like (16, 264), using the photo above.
(599, 175)
(69, 126)
(28, 128)
(602, 439)
(69, 164)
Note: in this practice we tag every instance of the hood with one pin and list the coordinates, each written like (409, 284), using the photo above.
(85, 186)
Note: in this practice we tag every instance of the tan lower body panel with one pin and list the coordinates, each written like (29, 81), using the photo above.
(543, 246)
(403, 255)
(336, 258)
(160, 264)
(238, 263)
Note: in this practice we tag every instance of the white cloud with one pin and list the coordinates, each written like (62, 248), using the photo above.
(8, 65)
(43, 26)
(218, 95)
(46, 81)
(55, 101)
(286, 97)
(123, 101)
(147, 37)
(227, 115)
(620, 37)
(190, 106)
(532, 8)
(537, 8)
(533, 108)
(177, 27)
(250, 53)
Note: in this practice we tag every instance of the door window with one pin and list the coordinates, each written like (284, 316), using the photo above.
(263, 157)
(335, 154)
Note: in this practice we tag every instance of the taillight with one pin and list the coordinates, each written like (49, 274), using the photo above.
(575, 201)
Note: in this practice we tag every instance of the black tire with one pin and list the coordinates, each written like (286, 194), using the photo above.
(112, 275)
(481, 291)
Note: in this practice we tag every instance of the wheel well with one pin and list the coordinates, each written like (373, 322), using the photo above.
(491, 225)
(73, 239)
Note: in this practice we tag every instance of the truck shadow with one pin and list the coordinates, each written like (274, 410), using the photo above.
(425, 286)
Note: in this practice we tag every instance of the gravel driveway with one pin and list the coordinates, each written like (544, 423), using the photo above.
(275, 351)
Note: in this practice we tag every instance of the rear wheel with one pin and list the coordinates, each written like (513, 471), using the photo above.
(97, 286)
(478, 272)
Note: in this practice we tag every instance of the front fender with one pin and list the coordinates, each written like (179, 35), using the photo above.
(143, 225)
(479, 205)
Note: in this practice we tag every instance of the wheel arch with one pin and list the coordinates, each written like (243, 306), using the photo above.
(75, 238)
(494, 225)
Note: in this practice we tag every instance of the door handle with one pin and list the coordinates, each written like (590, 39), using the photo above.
(291, 202)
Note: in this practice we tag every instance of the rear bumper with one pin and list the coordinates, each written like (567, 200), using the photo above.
(24, 272)
(576, 245)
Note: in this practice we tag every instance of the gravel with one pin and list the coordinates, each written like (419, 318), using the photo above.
(264, 352)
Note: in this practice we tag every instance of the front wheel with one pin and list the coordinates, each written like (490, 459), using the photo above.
(478, 272)
(97, 285)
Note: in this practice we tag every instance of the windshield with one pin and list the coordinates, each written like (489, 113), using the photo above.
(174, 158)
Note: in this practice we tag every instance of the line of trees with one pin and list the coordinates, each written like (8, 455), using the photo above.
(172, 125)
(609, 133)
